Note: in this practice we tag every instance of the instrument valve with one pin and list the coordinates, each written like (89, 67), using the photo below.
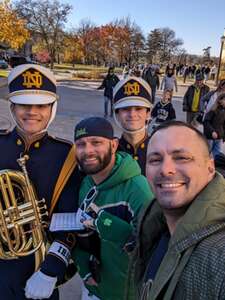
(44, 214)
(41, 201)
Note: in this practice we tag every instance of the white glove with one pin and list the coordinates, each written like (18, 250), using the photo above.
(40, 286)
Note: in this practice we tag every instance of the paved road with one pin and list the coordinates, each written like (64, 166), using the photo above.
(78, 99)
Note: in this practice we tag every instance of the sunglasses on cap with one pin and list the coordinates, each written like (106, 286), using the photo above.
(89, 198)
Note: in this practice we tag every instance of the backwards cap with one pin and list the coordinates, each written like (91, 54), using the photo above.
(94, 126)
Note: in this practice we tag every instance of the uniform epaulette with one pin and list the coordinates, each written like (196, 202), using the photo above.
(4, 131)
(60, 140)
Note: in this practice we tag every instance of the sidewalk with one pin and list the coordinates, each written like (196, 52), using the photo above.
(3, 81)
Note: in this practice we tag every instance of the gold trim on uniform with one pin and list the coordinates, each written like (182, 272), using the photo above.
(37, 145)
(142, 146)
(19, 142)
(136, 157)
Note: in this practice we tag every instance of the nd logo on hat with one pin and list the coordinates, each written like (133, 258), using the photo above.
(31, 84)
(80, 132)
(132, 89)
(32, 79)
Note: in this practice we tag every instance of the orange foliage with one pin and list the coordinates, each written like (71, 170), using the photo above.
(12, 29)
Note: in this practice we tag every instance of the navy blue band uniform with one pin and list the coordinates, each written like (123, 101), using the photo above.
(132, 92)
(139, 153)
(46, 158)
(49, 172)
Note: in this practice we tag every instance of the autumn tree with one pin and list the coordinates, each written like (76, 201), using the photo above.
(13, 30)
(104, 50)
(72, 48)
(47, 19)
(129, 40)
(84, 32)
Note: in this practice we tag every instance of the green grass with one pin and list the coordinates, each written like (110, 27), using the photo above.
(80, 67)
(83, 71)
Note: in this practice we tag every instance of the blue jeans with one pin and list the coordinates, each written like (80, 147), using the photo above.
(215, 146)
(108, 102)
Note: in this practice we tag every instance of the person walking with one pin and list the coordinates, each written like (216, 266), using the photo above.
(151, 76)
(169, 81)
(108, 84)
(191, 100)
(214, 125)
(209, 99)
(163, 110)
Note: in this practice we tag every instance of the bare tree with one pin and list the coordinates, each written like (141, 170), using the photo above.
(206, 54)
(153, 44)
(47, 19)
(130, 40)
(162, 42)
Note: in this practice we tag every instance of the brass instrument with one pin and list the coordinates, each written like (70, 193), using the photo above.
(21, 224)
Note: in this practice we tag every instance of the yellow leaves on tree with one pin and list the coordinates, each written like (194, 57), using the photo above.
(12, 28)
(72, 49)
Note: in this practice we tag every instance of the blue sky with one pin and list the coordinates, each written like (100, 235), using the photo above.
(200, 23)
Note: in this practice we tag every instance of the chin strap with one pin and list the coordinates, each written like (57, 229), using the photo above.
(52, 117)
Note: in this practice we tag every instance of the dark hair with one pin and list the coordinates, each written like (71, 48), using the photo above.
(221, 84)
(111, 69)
(172, 123)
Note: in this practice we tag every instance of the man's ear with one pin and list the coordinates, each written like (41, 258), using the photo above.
(148, 115)
(114, 144)
(211, 167)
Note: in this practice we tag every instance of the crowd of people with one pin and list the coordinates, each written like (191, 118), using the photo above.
(138, 217)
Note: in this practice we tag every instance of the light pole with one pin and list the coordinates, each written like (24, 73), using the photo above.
(221, 67)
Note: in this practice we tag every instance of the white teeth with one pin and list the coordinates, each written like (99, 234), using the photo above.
(90, 159)
(171, 185)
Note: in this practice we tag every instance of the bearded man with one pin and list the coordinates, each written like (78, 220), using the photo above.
(112, 194)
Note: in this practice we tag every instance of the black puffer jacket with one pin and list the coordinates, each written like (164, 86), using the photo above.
(108, 84)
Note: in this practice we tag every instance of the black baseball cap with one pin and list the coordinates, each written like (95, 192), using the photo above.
(94, 126)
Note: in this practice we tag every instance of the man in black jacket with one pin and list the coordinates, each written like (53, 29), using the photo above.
(108, 84)
(152, 78)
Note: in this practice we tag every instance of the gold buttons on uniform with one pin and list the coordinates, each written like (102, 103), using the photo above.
(18, 142)
(37, 145)
(128, 146)
(136, 157)
(142, 146)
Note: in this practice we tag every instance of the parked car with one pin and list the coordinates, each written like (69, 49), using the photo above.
(3, 64)
(17, 60)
